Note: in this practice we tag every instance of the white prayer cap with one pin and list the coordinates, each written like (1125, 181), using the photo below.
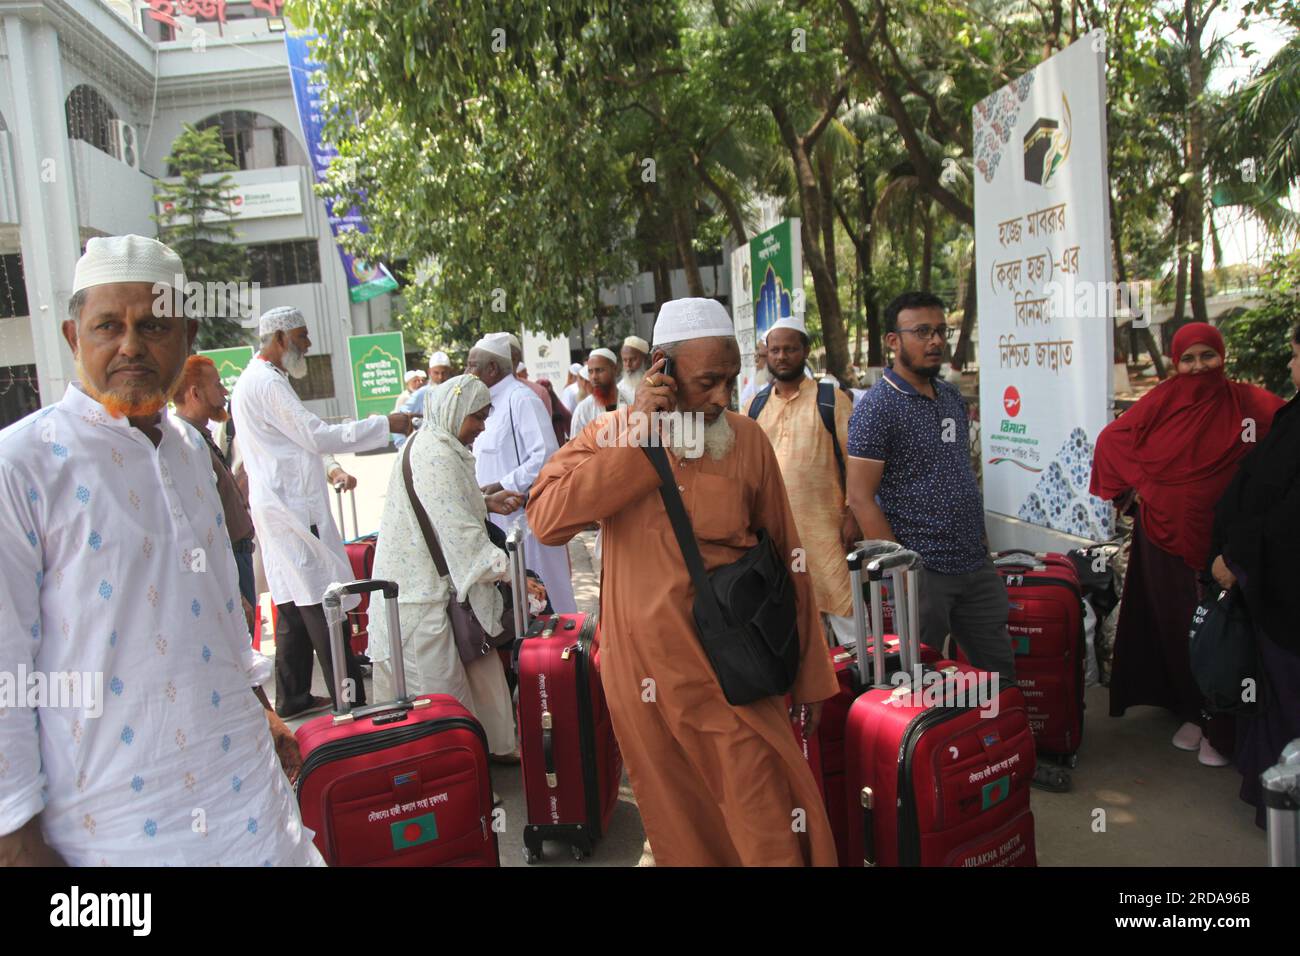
(638, 343)
(412, 375)
(787, 322)
(576, 368)
(283, 318)
(605, 354)
(584, 374)
(439, 360)
(683, 319)
(508, 337)
(521, 367)
(127, 259)
(497, 345)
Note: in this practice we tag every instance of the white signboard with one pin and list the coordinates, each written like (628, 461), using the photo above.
(255, 201)
(548, 358)
(742, 313)
(1043, 263)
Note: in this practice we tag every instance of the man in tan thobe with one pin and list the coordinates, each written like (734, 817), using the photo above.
(814, 477)
(717, 785)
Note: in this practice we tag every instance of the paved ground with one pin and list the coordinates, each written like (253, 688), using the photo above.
(1136, 800)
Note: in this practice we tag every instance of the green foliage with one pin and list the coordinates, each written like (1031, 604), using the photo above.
(1259, 340)
(208, 248)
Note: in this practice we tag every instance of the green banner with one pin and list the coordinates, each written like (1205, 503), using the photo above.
(230, 362)
(370, 281)
(776, 271)
(378, 363)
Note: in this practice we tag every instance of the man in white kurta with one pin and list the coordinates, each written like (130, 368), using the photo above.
(601, 366)
(518, 440)
(116, 565)
(302, 552)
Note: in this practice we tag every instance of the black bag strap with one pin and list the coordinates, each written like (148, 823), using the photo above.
(422, 516)
(826, 407)
(706, 600)
(758, 401)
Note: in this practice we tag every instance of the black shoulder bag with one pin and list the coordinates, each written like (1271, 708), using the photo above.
(746, 615)
(1222, 652)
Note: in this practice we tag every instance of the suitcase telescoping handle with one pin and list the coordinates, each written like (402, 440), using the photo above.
(1281, 788)
(866, 551)
(1019, 559)
(338, 501)
(903, 568)
(333, 602)
(518, 579)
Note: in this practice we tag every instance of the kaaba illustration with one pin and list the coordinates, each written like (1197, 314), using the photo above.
(1046, 147)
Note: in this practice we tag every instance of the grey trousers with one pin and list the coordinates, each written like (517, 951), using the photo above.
(973, 608)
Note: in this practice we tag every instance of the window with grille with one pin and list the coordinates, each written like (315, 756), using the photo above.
(318, 383)
(254, 140)
(294, 262)
(90, 118)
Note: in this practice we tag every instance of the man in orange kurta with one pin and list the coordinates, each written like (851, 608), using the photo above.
(717, 785)
(814, 481)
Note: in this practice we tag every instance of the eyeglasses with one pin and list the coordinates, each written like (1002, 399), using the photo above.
(926, 332)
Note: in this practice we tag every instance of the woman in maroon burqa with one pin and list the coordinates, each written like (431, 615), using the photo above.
(1256, 548)
(1173, 454)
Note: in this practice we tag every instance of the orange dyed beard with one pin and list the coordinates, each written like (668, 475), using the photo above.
(128, 403)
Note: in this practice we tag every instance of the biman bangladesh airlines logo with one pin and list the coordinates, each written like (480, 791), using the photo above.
(1011, 401)
(1047, 145)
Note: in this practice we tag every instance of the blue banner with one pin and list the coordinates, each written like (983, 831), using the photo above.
(365, 281)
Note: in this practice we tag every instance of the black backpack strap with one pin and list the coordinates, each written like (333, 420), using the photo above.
(706, 600)
(759, 400)
(826, 408)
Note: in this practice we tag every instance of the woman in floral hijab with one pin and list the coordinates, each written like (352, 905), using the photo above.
(442, 470)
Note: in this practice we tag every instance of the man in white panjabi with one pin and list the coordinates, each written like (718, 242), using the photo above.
(282, 444)
(605, 395)
(117, 567)
(570, 396)
(518, 440)
(635, 354)
(442, 472)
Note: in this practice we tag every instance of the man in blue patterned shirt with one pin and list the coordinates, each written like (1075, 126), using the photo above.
(910, 480)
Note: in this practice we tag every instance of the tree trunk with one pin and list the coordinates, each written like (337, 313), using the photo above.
(686, 250)
(961, 354)
(810, 200)
(1196, 157)
(927, 246)
(663, 284)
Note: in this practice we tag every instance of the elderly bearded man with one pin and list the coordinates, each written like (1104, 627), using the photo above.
(635, 355)
(605, 395)
(282, 444)
(517, 441)
(116, 564)
(716, 785)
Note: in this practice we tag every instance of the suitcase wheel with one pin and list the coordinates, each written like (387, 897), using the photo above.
(577, 852)
(531, 856)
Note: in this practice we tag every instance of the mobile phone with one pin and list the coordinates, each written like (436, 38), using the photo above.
(668, 368)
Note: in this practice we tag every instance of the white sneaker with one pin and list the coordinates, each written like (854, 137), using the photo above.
(1188, 737)
(1211, 757)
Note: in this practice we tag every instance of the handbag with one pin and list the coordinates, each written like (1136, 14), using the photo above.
(746, 615)
(472, 641)
(1223, 655)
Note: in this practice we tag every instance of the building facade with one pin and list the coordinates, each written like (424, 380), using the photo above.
(94, 94)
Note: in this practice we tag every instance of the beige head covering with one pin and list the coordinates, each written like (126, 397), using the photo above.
(638, 343)
(683, 319)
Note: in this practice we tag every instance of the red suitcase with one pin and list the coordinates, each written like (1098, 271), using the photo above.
(930, 779)
(824, 751)
(1046, 627)
(404, 783)
(570, 760)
